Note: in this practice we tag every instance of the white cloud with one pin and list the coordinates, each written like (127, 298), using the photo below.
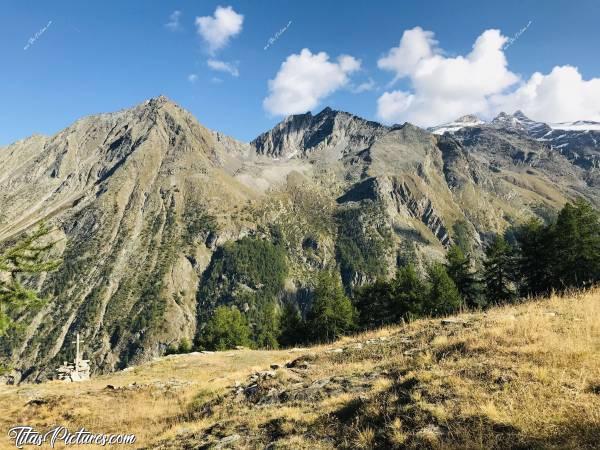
(393, 104)
(305, 79)
(217, 30)
(415, 45)
(192, 78)
(443, 88)
(174, 23)
(366, 86)
(223, 66)
(560, 96)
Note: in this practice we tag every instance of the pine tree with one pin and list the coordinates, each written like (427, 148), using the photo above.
(267, 326)
(460, 269)
(376, 304)
(226, 329)
(499, 272)
(409, 294)
(537, 263)
(462, 236)
(293, 329)
(442, 296)
(27, 256)
(332, 314)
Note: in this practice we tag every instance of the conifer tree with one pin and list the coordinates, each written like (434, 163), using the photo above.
(499, 272)
(409, 294)
(332, 314)
(376, 304)
(267, 326)
(577, 245)
(442, 296)
(460, 269)
(26, 256)
(293, 329)
(537, 262)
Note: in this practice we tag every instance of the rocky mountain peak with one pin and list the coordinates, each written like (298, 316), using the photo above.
(519, 122)
(301, 134)
(520, 115)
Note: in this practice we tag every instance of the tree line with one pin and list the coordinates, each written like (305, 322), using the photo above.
(533, 259)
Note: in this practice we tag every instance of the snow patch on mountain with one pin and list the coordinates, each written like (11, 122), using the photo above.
(469, 120)
(579, 125)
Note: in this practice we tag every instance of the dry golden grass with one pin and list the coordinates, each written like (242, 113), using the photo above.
(523, 376)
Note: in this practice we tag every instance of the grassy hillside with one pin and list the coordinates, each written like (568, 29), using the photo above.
(524, 376)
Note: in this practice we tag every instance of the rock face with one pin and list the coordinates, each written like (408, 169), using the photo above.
(338, 132)
(130, 194)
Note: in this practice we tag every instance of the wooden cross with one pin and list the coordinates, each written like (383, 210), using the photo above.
(77, 357)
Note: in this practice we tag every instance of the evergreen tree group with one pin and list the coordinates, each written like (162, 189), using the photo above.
(561, 255)
(533, 259)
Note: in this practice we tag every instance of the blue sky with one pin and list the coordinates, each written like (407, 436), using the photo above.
(104, 56)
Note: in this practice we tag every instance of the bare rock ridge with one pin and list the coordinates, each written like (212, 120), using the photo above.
(130, 193)
(304, 133)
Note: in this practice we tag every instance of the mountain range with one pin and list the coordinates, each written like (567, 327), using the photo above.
(141, 200)
(579, 140)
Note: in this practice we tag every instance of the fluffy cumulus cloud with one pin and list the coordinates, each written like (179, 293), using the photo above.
(218, 29)
(222, 66)
(443, 88)
(560, 96)
(305, 79)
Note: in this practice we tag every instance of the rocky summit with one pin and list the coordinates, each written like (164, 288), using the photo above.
(142, 200)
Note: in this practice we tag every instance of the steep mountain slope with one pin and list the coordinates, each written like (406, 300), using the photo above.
(142, 198)
(117, 186)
